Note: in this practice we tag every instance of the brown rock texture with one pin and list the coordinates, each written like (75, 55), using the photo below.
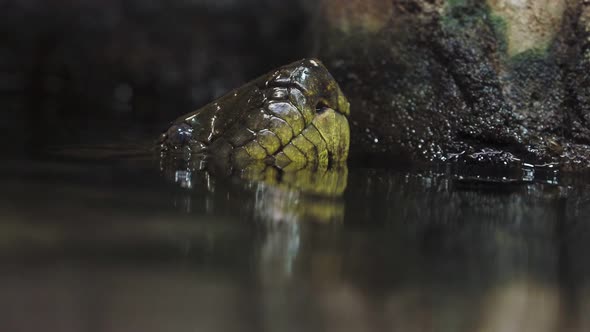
(494, 83)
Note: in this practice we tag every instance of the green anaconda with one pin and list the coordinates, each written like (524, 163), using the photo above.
(292, 118)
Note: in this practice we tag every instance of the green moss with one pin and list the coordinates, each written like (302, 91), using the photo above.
(456, 3)
(500, 28)
(462, 16)
(459, 14)
(534, 54)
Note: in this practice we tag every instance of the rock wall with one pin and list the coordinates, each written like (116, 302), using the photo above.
(502, 82)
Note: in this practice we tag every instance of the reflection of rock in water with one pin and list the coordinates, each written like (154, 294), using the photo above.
(492, 230)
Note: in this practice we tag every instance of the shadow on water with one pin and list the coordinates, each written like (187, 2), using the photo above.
(109, 239)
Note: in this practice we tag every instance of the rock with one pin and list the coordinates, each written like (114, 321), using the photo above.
(433, 80)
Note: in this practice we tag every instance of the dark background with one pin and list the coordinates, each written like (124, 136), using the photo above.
(96, 71)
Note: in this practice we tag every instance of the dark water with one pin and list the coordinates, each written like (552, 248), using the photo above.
(102, 240)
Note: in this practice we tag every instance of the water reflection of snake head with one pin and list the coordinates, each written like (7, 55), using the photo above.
(292, 118)
(285, 134)
(275, 195)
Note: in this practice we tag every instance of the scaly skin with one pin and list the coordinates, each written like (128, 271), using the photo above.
(292, 118)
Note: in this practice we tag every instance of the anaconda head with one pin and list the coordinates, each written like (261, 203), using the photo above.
(294, 117)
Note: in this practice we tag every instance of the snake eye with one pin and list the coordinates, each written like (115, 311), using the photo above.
(321, 106)
(179, 134)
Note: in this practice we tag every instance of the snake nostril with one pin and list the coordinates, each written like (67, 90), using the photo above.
(179, 134)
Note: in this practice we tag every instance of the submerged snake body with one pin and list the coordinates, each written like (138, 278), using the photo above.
(291, 118)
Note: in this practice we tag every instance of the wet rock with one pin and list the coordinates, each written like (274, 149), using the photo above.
(441, 80)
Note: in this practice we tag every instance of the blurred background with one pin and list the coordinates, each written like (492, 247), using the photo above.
(90, 70)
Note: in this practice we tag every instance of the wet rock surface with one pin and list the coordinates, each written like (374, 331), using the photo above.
(456, 80)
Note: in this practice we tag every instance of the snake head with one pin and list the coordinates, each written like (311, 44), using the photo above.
(291, 118)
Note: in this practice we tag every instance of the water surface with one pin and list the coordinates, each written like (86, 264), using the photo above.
(103, 240)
